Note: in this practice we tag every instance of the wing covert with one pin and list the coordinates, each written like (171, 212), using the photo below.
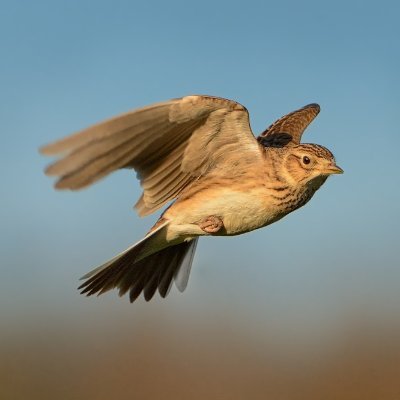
(289, 128)
(168, 144)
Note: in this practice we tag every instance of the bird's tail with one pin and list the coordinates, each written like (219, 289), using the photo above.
(129, 271)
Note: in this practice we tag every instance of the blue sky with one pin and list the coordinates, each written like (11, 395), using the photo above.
(65, 65)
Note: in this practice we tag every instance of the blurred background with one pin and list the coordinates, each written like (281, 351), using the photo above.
(307, 308)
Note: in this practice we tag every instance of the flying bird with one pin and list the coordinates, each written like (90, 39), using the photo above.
(199, 151)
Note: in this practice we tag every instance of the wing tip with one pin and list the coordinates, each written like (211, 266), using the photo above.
(315, 106)
(44, 150)
(50, 149)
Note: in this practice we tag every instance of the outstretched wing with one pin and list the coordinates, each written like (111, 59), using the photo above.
(290, 127)
(169, 144)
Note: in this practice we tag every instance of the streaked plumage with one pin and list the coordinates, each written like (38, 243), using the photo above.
(200, 151)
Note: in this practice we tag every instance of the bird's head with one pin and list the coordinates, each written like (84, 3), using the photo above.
(304, 163)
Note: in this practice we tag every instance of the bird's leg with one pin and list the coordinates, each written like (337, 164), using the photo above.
(211, 224)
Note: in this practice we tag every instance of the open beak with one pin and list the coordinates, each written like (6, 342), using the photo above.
(333, 169)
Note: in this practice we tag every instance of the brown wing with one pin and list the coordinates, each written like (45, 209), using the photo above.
(290, 127)
(169, 144)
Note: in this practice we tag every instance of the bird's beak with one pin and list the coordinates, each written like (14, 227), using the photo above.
(332, 168)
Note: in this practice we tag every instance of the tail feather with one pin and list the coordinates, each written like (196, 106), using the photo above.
(129, 272)
(181, 275)
(158, 271)
(165, 281)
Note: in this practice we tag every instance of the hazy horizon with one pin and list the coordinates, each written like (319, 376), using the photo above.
(306, 307)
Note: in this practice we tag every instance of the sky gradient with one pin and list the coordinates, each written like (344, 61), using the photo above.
(66, 65)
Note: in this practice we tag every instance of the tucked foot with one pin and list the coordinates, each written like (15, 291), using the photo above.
(211, 224)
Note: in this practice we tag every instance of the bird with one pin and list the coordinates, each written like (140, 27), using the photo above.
(198, 155)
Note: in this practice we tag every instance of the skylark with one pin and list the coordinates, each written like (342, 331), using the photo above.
(200, 151)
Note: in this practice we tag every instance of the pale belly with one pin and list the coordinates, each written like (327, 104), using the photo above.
(240, 212)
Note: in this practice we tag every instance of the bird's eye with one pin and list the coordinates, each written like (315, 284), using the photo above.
(306, 160)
